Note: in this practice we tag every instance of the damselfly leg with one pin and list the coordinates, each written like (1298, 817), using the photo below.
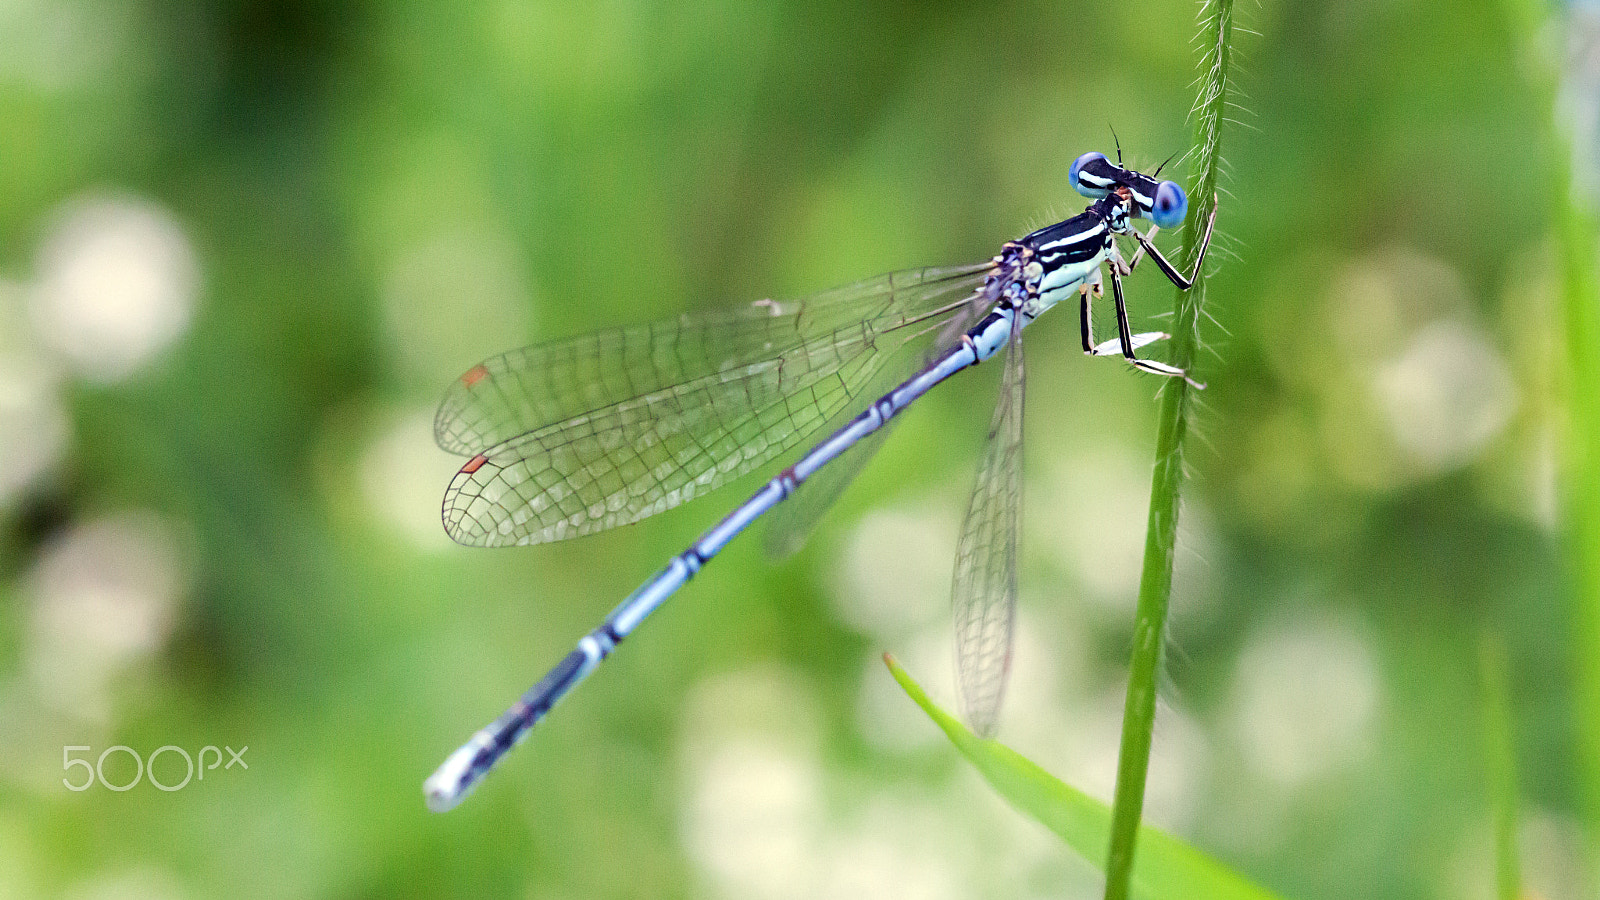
(1126, 341)
(1184, 282)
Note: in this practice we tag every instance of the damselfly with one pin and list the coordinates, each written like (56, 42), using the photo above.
(577, 436)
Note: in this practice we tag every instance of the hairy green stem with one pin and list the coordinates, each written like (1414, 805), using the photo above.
(1155, 583)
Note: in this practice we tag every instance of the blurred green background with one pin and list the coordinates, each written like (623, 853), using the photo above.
(245, 247)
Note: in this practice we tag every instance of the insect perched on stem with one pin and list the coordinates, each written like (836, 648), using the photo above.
(580, 435)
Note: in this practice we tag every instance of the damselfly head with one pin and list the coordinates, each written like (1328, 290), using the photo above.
(1162, 202)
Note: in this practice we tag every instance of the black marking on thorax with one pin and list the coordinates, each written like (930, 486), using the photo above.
(1076, 239)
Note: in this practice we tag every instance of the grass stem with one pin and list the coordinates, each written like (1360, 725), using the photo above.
(1501, 763)
(1576, 228)
(1155, 583)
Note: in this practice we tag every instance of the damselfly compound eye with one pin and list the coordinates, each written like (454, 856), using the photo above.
(1170, 206)
(1095, 182)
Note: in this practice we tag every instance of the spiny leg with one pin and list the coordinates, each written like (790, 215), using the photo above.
(1124, 342)
(1123, 332)
(1168, 269)
(1139, 253)
(1148, 365)
(1091, 291)
(1088, 292)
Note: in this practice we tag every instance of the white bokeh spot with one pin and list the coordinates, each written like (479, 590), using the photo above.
(34, 425)
(894, 574)
(403, 475)
(102, 596)
(1447, 395)
(117, 278)
(1092, 517)
(1305, 698)
(454, 298)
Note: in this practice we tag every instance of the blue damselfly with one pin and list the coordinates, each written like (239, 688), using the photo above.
(580, 435)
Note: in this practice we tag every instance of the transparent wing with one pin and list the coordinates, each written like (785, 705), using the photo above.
(525, 390)
(984, 595)
(586, 434)
(790, 522)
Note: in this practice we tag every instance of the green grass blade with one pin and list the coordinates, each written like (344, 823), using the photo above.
(1577, 244)
(1155, 582)
(1167, 867)
(1576, 233)
(1500, 756)
(1580, 298)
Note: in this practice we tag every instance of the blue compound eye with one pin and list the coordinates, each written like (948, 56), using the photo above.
(1170, 206)
(1094, 183)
